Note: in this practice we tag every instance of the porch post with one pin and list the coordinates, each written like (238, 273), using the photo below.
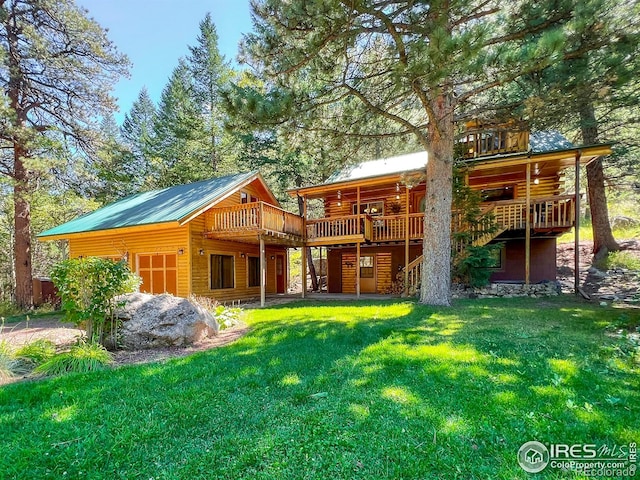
(303, 266)
(406, 244)
(358, 270)
(358, 245)
(527, 238)
(576, 228)
(320, 279)
(263, 272)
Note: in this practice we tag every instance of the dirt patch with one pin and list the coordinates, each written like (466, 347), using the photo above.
(614, 285)
(21, 333)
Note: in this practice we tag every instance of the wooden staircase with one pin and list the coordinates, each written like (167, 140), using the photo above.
(550, 215)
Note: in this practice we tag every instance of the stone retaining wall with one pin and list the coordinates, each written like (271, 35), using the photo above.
(506, 290)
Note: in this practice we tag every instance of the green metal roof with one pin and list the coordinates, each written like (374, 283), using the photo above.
(157, 206)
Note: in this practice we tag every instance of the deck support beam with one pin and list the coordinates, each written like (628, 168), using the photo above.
(358, 245)
(576, 239)
(406, 243)
(527, 238)
(263, 272)
(303, 266)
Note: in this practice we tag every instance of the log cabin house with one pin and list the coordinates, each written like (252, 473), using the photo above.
(224, 238)
(372, 225)
(228, 237)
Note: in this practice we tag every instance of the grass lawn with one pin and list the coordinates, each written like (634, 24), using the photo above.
(371, 390)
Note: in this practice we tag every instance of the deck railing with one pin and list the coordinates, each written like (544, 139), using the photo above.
(494, 140)
(545, 213)
(344, 226)
(254, 216)
(393, 227)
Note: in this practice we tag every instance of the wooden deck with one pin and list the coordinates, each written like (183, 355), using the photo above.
(248, 222)
(548, 215)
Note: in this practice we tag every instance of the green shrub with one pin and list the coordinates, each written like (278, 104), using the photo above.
(620, 259)
(88, 288)
(472, 266)
(36, 352)
(84, 357)
(8, 309)
(225, 316)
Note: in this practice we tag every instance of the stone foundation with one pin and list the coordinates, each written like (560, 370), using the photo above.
(507, 290)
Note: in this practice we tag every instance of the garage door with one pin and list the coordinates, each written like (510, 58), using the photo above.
(159, 273)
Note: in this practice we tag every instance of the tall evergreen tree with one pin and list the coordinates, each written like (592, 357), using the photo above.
(57, 67)
(588, 90)
(179, 133)
(138, 136)
(413, 64)
(210, 74)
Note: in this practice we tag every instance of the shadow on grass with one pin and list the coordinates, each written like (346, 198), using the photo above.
(371, 389)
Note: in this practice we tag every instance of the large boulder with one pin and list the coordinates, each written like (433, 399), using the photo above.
(150, 321)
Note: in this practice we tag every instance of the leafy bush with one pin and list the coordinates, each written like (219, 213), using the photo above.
(88, 288)
(8, 309)
(620, 259)
(84, 357)
(225, 316)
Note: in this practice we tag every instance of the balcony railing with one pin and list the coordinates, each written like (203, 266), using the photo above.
(493, 141)
(394, 227)
(346, 228)
(254, 217)
(549, 213)
(546, 213)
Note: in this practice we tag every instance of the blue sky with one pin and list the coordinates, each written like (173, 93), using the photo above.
(154, 34)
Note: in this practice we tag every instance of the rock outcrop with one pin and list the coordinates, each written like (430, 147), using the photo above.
(150, 321)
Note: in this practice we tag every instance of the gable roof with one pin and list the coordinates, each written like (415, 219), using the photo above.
(172, 204)
(380, 167)
(540, 142)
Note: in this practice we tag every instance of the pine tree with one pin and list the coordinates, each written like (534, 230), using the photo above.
(57, 69)
(137, 133)
(179, 132)
(413, 64)
(588, 90)
(210, 74)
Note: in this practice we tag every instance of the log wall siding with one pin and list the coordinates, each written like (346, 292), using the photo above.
(200, 264)
(169, 240)
(349, 273)
(389, 260)
(383, 272)
(386, 195)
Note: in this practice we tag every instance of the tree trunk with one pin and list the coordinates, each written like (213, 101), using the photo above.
(311, 267)
(603, 240)
(22, 223)
(436, 268)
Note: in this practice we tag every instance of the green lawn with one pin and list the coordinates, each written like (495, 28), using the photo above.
(370, 390)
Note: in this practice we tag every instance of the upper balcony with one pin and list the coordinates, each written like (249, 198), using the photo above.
(248, 221)
(486, 139)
